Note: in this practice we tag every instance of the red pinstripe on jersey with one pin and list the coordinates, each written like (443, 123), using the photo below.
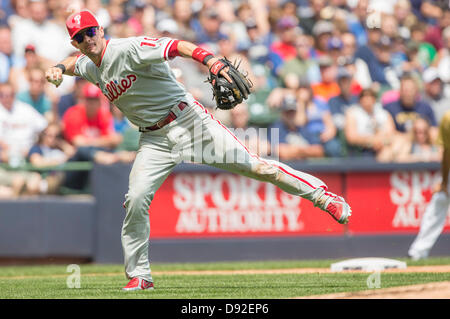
(166, 49)
(103, 53)
(172, 50)
(256, 156)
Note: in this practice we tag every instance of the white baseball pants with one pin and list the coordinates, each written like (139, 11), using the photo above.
(431, 226)
(196, 135)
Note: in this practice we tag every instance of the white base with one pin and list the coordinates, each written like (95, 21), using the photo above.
(367, 264)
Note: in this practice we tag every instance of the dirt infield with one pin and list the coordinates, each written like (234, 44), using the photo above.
(438, 269)
(410, 269)
(439, 290)
(436, 290)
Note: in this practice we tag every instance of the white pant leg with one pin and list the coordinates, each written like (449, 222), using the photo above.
(433, 221)
(151, 167)
(230, 154)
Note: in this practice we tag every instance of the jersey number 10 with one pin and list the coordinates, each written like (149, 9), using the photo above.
(150, 42)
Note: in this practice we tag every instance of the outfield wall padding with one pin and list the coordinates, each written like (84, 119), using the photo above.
(53, 226)
(204, 214)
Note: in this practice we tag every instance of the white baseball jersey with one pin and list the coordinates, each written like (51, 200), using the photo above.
(134, 75)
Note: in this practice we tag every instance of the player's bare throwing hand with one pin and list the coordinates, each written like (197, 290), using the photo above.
(133, 73)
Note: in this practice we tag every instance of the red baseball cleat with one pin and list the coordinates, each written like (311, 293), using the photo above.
(339, 210)
(138, 284)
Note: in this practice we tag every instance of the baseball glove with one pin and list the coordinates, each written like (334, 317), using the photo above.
(226, 94)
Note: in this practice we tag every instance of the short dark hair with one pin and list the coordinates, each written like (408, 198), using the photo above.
(408, 77)
(367, 91)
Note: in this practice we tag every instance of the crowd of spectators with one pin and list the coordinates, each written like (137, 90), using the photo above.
(336, 78)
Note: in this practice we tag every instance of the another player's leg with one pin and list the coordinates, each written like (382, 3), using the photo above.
(431, 226)
(233, 156)
(151, 167)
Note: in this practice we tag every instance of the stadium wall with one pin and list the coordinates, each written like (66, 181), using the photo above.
(204, 214)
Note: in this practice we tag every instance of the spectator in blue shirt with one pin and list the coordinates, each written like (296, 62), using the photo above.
(257, 48)
(314, 114)
(7, 58)
(295, 142)
(380, 68)
(366, 52)
(5, 11)
(35, 95)
(208, 30)
(340, 103)
(356, 21)
(409, 107)
(72, 98)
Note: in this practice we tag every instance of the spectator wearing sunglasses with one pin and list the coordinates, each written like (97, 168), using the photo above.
(416, 146)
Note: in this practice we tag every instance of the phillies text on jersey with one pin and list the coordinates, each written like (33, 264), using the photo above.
(134, 74)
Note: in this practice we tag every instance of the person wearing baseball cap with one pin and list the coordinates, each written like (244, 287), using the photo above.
(341, 102)
(134, 75)
(434, 92)
(88, 126)
(84, 25)
(322, 33)
(334, 48)
(288, 30)
(91, 91)
(89, 38)
(146, 96)
(295, 142)
(88, 117)
(327, 87)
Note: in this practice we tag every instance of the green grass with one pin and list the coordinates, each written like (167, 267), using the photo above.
(105, 281)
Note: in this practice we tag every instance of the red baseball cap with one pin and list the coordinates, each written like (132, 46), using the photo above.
(79, 21)
(30, 47)
(91, 91)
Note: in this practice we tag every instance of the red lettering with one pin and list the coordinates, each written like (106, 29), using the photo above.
(131, 77)
(150, 43)
(125, 84)
(110, 96)
(117, 88)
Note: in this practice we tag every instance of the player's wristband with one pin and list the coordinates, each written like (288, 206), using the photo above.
(61, 66)
(201, 55)
(207, 58)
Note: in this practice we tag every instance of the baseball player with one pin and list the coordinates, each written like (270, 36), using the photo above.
(133, 73)
(433, 220)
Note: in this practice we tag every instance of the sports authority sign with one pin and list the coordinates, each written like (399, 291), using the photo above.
(392, 202)
(195, 205)
(217, 205)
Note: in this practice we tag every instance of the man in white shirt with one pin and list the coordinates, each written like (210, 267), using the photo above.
(20, 123)
(48, 37)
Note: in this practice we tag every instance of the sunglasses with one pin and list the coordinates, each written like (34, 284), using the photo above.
(90, 32)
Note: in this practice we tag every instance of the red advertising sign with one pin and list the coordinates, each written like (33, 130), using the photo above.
(391, 202)
(227, 205)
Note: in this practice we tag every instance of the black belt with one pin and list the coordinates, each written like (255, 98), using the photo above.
(161, 123)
